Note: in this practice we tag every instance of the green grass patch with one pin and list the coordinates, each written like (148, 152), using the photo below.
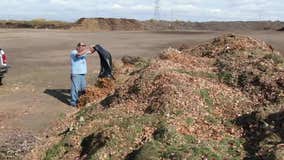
(278, 59)
(212, 119)
(190, 139)
(204, 93)
(150, 151)
(197, 74)
(191, 150)
(62, 115)
(204, 151)
(226, 77)
(142, 63)
(190, 121)
(87, 113)
(228, 123)
(57, 151)
(135, 89)
(179, 112)
(232, 146)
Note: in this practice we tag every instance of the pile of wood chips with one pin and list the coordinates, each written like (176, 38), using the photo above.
(102, 88)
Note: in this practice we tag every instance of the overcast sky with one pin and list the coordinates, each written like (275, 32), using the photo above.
(188, 10)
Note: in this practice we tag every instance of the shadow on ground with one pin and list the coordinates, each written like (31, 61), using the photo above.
(62, 95)
(264, 137)
(91, 144)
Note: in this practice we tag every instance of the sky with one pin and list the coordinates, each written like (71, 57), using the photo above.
(186, 10)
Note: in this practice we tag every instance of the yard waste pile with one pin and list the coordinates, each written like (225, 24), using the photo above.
(35, 24)
(107, 24)
(200, 103)
(101, 89)
(122, 24)
(251, 65)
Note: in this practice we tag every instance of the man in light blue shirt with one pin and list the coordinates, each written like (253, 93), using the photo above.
(78, 72)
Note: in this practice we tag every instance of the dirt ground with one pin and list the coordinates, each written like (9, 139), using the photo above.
(36, 90)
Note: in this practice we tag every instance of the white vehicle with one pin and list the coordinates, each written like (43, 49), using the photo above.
(3, 65)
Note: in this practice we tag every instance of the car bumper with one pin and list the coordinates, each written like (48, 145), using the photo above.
(3, 70)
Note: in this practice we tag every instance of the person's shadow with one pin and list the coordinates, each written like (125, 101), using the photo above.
(62, 95)
(259, 133)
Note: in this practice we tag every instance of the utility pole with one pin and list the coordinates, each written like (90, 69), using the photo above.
(172, 15)
(157, 10)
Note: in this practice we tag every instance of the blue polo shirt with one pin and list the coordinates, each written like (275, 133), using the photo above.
(78, 63)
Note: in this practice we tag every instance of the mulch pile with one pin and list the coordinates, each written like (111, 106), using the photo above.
(198, 95)
(227, 44)
(168, 87)
(107, 24)
(248, 64)
(102, 88)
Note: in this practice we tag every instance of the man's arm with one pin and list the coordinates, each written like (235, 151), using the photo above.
(83, 53)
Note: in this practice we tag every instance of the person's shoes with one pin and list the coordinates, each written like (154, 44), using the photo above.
(73, 105)
(81, 93)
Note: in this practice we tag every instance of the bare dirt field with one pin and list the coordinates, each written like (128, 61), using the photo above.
(36, 90)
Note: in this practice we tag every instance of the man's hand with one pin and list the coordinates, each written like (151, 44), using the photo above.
(82, 52)
(92, 49)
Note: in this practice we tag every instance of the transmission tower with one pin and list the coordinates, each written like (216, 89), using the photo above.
(157, 10)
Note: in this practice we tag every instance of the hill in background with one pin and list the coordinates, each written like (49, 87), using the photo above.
(97, 24)
(35, 24)
(111, 24)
